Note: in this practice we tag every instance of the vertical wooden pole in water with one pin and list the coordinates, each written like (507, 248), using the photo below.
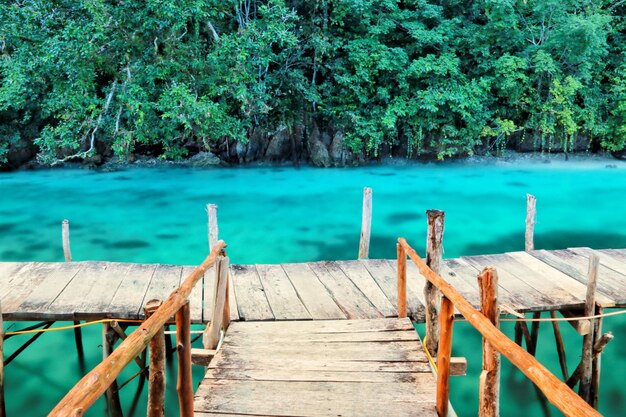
(65, 234)
(531, 215)
(156, 379)
(184, 384)
(446, 319)
(434, 255)
(2, 405)
(112, 394)
(211, 210)
(366, 224)
(596, 363)
(402, 309)
(584, 389)
(67, 253)
(560, 346)
(211, 335)
(489, 395)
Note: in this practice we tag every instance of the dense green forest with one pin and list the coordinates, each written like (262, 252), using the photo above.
(336, 82)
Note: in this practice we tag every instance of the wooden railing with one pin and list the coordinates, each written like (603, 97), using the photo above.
(96, 382)
(494, 343)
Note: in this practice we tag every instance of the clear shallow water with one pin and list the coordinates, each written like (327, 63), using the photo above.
(288, 215)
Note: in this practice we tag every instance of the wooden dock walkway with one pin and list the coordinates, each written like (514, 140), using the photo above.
(366, 289)
(330, 368)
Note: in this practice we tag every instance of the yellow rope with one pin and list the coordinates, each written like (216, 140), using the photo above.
(73, 326)
(597, 316)
(430, 358)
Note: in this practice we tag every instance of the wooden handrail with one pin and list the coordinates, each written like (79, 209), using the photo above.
(555, 390)
(95, 383)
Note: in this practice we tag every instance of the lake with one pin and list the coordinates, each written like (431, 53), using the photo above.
(284, 214)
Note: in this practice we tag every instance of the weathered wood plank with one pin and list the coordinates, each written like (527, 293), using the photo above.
(323, 326)
(127, 300)
(165, 279)
(281, 294)
(196, 302)
(251, 300)
(607, 260)
(312, 292)
(360, 276)
(249, 338)
(232, 298)
(22, 284)
(346, 295)
(103, 279)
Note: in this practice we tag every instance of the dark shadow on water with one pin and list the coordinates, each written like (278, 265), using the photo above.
(37, 247)
(167, 236)
(557, 239)
(382, 174)
(404, 217)
(128, 244)
(6, 227)
(516, 184)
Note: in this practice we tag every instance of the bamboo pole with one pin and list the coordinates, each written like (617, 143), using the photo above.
(184, 384)
(156, 366)
(211, 335)
(402, 309)
(531, 216)
(555, 390)
(489, 392)
(92, 385)
(584, 389)
(446, 322)
(112, 393)
(366, 224)
(2, 402)
(211, 210)
(560, 346)
(434, 254)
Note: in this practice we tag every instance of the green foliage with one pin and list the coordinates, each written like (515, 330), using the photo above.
(443, 78)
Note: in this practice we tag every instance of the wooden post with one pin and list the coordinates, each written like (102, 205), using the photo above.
(366, 224)
(402, 309)
(112, 394)
(434, 254)
(595, 362)
(534, 334)
(67, 253)
(226, 315)
(65, 234)
(560, 346)
(489, 395)
(584, 389)
(213, 229)
(446, 321)
(156, 367)
(2, 404)
(211, 335)
(531, 215)
(184, 385)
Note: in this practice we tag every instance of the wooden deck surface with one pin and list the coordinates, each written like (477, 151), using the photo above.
(537, 281)
(331, 368)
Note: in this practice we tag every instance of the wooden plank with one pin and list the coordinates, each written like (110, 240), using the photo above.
(22, 284)
(607, 260)
(317, 376)
(208, 294)
(101, 283)
(165, 279)
(316, 399)
(346, 295)
(128, 299)
(281, 294)
(7, 269)
(196, 298)
(251, 300)
(16, 273)
(35, 306)
(312, 292)
(557, 277)
(250, 338)
(467, 288)
(360, 276)
(323, 326)
(232, 298)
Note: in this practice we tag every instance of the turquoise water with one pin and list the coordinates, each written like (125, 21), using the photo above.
(289, 215)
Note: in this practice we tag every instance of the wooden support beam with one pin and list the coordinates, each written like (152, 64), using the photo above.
(366, 224)
(90, 387)
(582, 327)
(489, 391)
(555, 390)
(584, 388)
(458, 366)
(597, 350)
(78, 333)
(434, 253)
(120, 332)
(156, 367)
(211, 210)
(534, 334)
(531, 215)
(402, 306)
(184, 384)
(112, 393)
(2, 401)
(202, 357)
(596, 360)
(446, 322)
(560, 346)
(211, 336)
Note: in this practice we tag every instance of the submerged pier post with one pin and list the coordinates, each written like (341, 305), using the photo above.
(112, 393)
(184, 384)
(211, 210)
(78, 334)
(366, 224)
(156, 367)
(584, 389)
(531, 216)
(489, 394)
(434, 257)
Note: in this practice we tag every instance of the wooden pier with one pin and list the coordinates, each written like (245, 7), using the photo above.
(360, 289)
